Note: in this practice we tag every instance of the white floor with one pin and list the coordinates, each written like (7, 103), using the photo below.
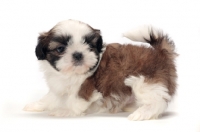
(22, 82)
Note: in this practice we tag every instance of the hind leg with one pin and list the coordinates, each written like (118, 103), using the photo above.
(151, 99)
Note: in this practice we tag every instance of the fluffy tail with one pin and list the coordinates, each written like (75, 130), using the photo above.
(156, 38)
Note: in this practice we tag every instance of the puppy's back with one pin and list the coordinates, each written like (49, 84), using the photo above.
(121, 61)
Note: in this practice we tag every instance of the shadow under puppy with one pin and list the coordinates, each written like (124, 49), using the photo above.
(85, 76)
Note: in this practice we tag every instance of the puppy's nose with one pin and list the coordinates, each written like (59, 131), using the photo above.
(77, 56)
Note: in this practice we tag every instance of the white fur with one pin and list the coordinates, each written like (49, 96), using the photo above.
(151, 99)
(72, 27)
(141, 33)
(62, 99)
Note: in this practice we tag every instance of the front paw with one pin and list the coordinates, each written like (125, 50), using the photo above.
(65, 113)
(34, 107)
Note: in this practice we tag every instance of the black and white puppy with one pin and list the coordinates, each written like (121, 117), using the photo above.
(85, 76)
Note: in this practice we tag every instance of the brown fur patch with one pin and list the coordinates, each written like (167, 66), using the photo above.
(87, 88)
(120, 61)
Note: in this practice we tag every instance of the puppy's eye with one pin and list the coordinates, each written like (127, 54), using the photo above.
(60, 49)
(92, 46)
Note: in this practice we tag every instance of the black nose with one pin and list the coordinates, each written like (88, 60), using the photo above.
(78, 56)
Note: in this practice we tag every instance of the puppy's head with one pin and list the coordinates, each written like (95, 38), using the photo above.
(70, 46)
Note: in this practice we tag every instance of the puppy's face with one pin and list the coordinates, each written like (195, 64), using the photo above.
(70, 46)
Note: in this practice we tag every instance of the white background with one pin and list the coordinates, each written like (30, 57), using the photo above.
(21, 81)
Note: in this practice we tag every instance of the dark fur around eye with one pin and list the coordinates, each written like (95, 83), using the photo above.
(88, 39)
(95, 41)
(52, 58)
(62, 39)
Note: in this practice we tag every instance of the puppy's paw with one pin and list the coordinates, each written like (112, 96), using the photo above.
(96, 96)
(34, 107)
(142, 114)
(59, 113)
(64, 113)
(138, 116)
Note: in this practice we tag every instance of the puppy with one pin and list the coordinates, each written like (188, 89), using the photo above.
(85, 76)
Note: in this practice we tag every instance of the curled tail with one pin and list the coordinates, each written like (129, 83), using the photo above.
(156, 38)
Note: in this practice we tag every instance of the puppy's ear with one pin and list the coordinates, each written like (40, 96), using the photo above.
(40, 49)
(99, 40)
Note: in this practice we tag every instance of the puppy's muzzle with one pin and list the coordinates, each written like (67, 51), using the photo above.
(78, 58)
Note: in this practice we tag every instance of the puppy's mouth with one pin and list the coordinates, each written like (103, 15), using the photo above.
(80, 68)
(77, 63)
(80, 63)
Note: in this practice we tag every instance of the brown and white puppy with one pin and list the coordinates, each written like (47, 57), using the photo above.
(85, 76)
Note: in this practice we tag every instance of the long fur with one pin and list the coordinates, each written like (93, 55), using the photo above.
(110, 78)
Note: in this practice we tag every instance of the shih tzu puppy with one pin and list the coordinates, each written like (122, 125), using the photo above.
(86, 76)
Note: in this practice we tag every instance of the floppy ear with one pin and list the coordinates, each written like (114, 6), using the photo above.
(40, 49)
(99, 40)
